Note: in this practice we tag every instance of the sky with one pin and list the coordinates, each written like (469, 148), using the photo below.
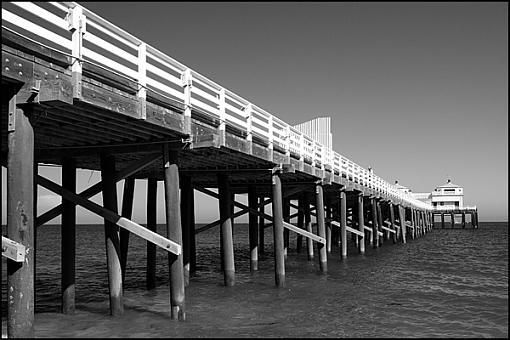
(417, 91)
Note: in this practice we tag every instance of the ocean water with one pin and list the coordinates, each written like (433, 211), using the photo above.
(449, 283)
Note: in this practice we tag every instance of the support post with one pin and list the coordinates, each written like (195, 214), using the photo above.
(343, 222)
(361, 223)
(174, 232)
(308, 224)
(150, 274)
(227, 246)
(442, 221)
(68, 240)
(112, 235)
(379, 221)
(375, 236)
(20, 222)
(392, 221)
(329, 233)
(321, 227)
(300, 223)
(186, 218)
(402, 217)
(414, 222)
(127, 211)
(261, 227)
(286, 218)
(278, 231)
(476, 219)
(452, 217)
(253, 229)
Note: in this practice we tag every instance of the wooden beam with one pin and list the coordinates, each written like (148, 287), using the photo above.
(354, 231)
(227, 249)
(150, 269)
(122, 222)
(112, 241)
(278, 222)
(96, 188)
(68, 238)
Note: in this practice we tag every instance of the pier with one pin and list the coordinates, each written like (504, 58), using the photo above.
(80, 93)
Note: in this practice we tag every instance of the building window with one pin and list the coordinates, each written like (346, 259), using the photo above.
(449, 190)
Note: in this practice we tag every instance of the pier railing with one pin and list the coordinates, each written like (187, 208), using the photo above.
(87, 38)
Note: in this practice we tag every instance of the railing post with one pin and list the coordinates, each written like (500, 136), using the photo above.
(270, 137)
(77, 25)
(249, 124)
(142, 79)
(187, 82)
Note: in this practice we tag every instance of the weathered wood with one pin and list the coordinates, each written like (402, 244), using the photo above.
(186, 218)
(300, 224)
(253, 229)
(227, 250)
(373, 211)
(174, 231)
(261, 226)
(127, 211)
(20, 222)
(402, 219)
(286, 218)
(442, 221)
(463, 220)
(278, 231)
(122, 222)
(329, 231)
(150, 272)
(308, 226)
(361, 223)
(353, 231)
(68, 240)
(95, 189)
(343, 223)
(112, 236)
(392, 222)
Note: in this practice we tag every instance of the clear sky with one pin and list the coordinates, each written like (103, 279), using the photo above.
(418, 91)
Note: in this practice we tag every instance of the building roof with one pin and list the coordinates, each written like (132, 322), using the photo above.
(449, 184)
(400, 186)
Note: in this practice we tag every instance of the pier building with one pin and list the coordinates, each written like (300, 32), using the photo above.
(81, 93)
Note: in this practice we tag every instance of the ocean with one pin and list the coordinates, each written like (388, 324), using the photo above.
(448, 283)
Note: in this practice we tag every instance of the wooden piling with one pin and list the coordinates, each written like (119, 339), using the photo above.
(20, 222)
(379, 221)
(227, 248)
(361, 223)
(452, 217)
(261, 227)
(300, 223)
(127, 211)
(392, 221)
(308, 225)
(186, 218)
(401, 216)
(112, 235)
(442, 221)
(286, 214)
(375, 237)
(329, 233)
(414, 222)
(321, 227)
(174, 232)
(279, 258)
(343, 223)
(150, 274)
(476, 219)
(68, 240)
(253, 229)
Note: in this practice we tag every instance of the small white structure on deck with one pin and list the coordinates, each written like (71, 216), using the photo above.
(448, 196)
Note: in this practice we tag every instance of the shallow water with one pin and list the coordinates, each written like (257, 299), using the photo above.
(449, 283)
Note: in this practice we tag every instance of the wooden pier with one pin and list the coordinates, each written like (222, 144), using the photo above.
(79, 92)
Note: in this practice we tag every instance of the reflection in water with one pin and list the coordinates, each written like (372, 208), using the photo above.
(450, 283)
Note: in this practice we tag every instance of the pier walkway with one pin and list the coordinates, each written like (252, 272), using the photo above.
(79, 92)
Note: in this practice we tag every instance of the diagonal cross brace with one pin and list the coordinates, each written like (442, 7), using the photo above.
(109, 215)
(96, 188)
(264, 215)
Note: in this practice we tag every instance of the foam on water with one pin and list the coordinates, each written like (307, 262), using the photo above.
(449, 283)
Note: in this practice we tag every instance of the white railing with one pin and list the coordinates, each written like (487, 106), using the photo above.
(87, 38)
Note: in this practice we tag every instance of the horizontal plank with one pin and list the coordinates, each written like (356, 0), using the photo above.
(42, 13)
(149, 235)
(388, 229)
(379, 233)
(13, 250)
(304, 233)
(354, 231)
(367, 228)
